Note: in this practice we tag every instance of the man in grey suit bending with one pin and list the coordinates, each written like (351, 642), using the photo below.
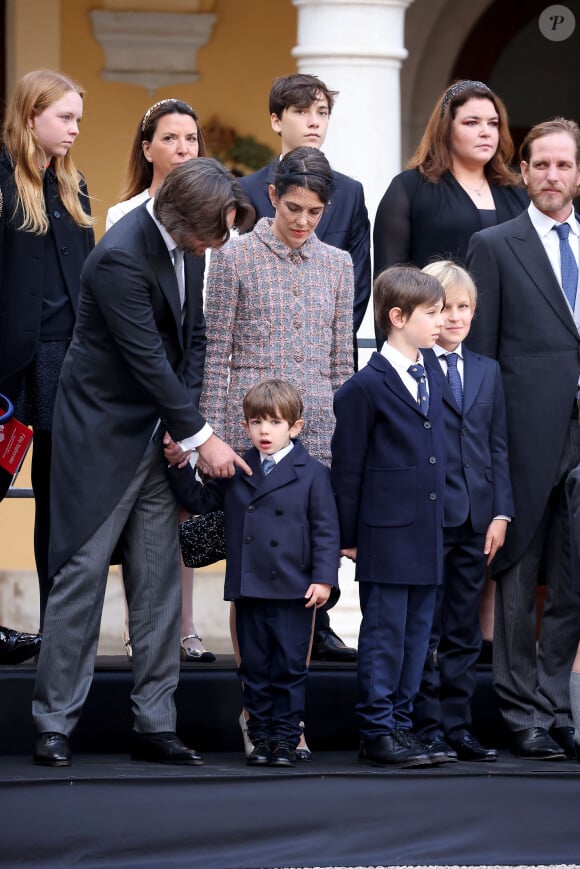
(528, 315)
(133, 371)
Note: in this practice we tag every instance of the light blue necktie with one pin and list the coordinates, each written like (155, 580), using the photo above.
(267, 465)
(418, 372)
(567, 263)
(454, 378)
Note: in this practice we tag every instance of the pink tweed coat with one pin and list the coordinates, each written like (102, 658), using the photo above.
(276, 312)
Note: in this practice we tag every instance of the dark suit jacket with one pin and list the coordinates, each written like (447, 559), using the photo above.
(524, 322)
(130, 363)
(281, 530)
(477, 483)
(388, 474)
(22, 263)
(344, 224)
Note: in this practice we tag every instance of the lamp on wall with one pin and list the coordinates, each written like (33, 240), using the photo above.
(151, 49)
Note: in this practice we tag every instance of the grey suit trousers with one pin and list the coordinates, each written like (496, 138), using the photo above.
(531, 680)
(145, 521)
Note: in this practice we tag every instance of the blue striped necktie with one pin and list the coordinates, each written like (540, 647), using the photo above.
(268, 465)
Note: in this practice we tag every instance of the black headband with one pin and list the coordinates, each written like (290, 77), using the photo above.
(456, 88)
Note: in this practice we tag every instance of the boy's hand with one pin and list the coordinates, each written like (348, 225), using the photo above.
(317, 594)
(349, 553)
(494, 538)
(173, 453)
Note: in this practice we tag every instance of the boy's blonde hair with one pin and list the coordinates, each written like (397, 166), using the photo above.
(451, 277)
(273, 397)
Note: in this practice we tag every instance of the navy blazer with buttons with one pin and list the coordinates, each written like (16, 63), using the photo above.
(344, 224)
(281, 530)
(477, 483)
(388, 473)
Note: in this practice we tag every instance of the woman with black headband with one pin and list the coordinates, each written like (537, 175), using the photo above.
(279, 303)
(168, 134)
(458, 181)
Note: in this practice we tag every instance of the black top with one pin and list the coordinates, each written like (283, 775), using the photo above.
(418, 221)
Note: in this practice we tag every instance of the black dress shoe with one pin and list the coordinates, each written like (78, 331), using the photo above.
(261, 753)
(163, 748)
(283, 754)
(564, 736)
(409, 739)
(52, 749)
(537, 744)
(468, 748)
(391, 748)
(327, 646)
(16, 647)
(438, 747)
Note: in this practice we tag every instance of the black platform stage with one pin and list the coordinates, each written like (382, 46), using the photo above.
(107, 811)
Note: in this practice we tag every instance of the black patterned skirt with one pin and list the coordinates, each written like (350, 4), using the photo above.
(36, 393)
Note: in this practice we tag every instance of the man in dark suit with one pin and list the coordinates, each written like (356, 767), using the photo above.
(300, 106)
(528, 316)
(133, 371)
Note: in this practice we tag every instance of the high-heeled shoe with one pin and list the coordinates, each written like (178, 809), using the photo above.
(248, 744)
(190, 653)
(303, 753)
(128, 646)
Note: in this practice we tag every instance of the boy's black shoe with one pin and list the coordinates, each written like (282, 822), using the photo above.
(435, 753)
(439, 746)
(282, 753)
(388, 748)
(261, 753)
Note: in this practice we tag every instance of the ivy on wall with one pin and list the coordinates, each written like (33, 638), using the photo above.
(241, 154)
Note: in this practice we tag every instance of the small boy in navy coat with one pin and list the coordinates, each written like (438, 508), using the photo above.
(478, 505)
(388, 456)
(282, 560)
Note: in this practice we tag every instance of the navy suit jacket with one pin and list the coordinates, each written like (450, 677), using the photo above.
(477, 483)
(388, 473)
(281, 530)
(344, 224)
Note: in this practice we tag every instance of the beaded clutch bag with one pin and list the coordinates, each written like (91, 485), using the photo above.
(202, 539)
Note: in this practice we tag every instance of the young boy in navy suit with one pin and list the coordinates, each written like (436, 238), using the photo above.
(282, 560)
(478, 505)
(388, 456)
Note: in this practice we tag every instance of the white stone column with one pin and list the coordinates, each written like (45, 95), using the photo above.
(357, 48)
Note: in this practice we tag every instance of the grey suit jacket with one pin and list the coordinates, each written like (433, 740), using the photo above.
(131, 363)
(523, 321)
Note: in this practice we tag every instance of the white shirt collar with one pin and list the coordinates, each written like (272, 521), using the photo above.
(169, 241)
(543, 224)
(278, 456)
(439, 351)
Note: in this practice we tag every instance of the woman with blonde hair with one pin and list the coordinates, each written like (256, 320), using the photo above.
(45, 235)
(168, 134)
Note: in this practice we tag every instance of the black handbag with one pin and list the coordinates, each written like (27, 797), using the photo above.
(202, 539)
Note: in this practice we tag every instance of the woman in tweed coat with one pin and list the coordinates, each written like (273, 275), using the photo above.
(279, 304)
